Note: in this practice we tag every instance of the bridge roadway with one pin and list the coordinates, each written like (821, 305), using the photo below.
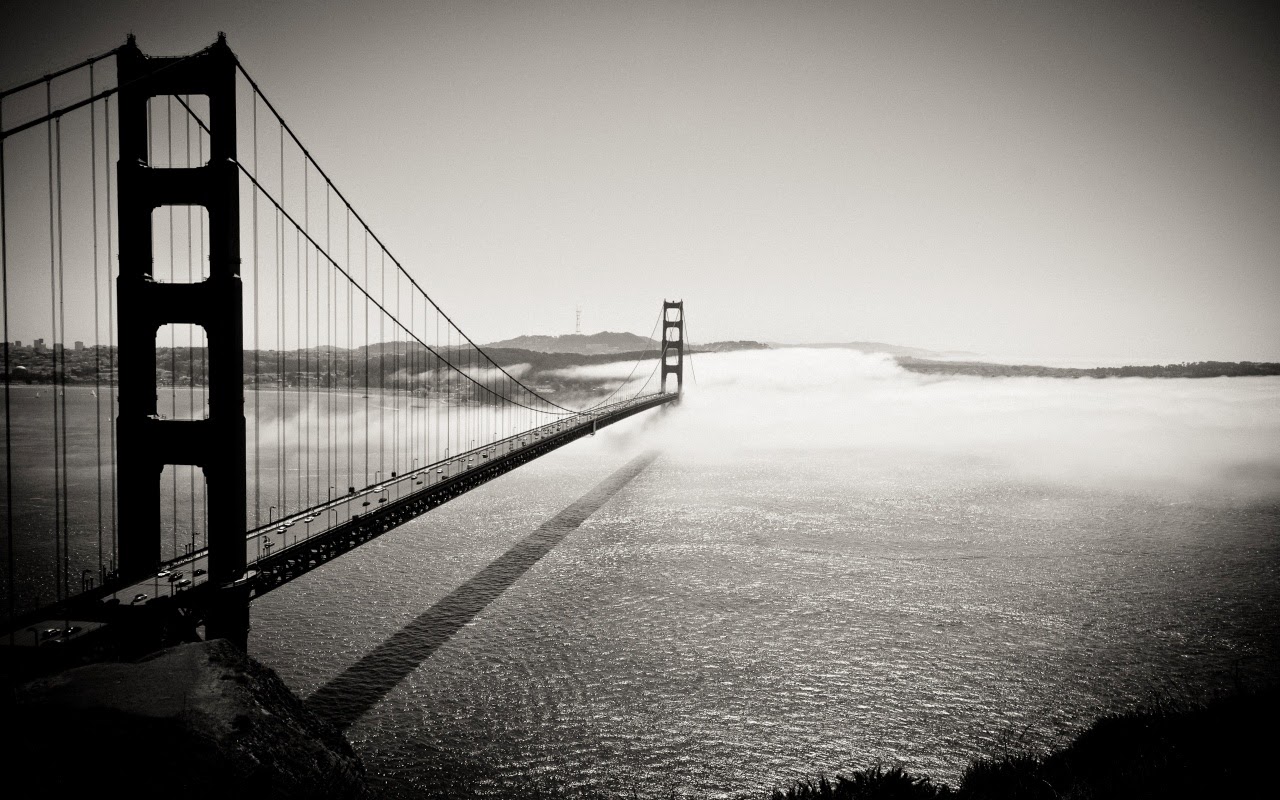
(294, 545)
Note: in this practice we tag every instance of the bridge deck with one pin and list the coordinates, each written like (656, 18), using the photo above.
(294, 545)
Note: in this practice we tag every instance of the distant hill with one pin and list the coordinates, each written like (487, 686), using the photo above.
(725, 347)
(1198, 369)
(582, 344)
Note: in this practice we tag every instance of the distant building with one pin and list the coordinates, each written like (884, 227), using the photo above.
(79, 345)
(39, 346)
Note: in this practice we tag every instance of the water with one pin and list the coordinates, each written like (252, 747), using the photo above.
(831, 564)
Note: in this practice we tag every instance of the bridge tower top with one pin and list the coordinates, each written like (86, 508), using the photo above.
(673, 343)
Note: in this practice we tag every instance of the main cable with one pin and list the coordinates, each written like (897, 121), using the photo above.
(634, 367)
(307, 154)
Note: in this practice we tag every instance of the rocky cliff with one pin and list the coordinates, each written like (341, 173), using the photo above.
(195, 720)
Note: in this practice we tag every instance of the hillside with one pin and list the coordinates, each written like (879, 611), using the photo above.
(582, 344)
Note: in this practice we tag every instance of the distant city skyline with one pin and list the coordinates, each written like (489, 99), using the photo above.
(1100, 180)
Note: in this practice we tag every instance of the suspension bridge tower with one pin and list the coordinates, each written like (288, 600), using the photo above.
(147, 443)
(673, 343)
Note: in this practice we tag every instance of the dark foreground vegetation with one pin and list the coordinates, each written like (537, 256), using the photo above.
(1224, 748)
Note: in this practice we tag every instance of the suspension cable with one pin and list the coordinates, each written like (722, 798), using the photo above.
(307, 154)
(46, 78)
(634, 367)
(373, 302)
(51, 114)
(304, 230)
(684, 323)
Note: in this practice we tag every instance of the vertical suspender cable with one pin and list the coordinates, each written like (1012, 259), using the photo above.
(97, 353)
(395, 389)
(282, 437)
(61, 394)
(8, 419)
(351, 367)
(111, 327)
(435, 390)
(53, 325)
(297, 359)
(305, 319)
(257, 346)
(382, 383)
(97, 342)
(368, 352)
(329, 339)
(684, 331)
(304, 382)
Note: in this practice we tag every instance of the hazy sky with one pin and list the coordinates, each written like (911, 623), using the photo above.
(1084, 179)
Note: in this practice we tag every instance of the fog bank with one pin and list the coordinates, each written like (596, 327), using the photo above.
(1220, 434)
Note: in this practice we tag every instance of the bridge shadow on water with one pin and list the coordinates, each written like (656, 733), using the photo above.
(361, 686)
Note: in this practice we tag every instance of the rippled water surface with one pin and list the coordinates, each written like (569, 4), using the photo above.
(757, 606)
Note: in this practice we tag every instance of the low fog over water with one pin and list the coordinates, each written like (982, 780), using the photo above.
(832, 563)
(1218, 435)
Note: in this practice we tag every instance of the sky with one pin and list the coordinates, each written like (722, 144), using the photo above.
(1086, 180)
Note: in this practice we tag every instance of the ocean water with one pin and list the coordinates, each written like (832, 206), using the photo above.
(831, 564)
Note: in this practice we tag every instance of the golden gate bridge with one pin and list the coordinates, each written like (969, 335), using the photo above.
(257, 384)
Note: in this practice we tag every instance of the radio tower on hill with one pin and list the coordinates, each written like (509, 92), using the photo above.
(577, 328)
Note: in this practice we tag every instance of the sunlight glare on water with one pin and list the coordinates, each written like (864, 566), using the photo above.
(833, 563)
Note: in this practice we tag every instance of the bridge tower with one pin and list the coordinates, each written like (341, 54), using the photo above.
(673, 343)
(147, 443)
